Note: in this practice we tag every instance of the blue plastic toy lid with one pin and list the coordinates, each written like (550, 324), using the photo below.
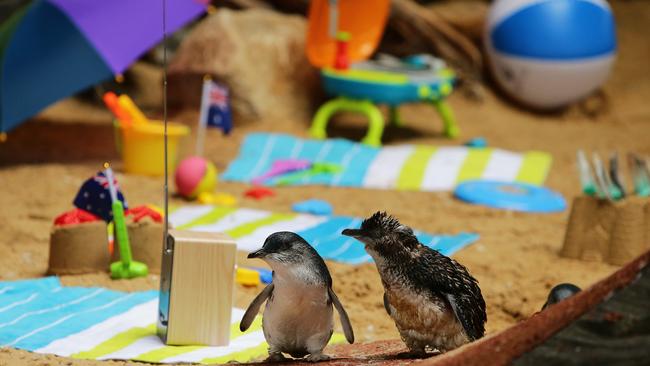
(510, 196)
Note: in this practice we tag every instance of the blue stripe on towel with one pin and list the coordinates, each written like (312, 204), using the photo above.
(252, 148)
(260, 150)
(253, 161)
(49, 302)
(310, 150)
(350, 251)
(326, 231)
(331, 244)
(302, 150)
(39, 330)
(338, 247)
(450, 244)
(47, 283)
(282, 147)
(335, 155)
(355, 170)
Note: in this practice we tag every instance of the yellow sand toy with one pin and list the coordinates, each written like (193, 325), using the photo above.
(140, 140)
(341, 36)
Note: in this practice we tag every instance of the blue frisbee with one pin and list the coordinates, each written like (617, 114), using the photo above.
(510, 196)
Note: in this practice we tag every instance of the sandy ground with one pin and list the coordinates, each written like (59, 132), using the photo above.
(516, 259)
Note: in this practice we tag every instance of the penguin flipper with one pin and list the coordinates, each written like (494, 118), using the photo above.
(464, 319)
(345, 321)
(254, 307)
(386, 304)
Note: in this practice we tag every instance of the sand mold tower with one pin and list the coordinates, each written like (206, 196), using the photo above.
(78, 248)
(83, 248)
(602, 230)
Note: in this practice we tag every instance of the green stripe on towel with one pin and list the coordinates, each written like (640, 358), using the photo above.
(474, 164)
(117, 342)
(250, 227)
(162, 353)
(534, 168)
(412, 174)
(211, 217)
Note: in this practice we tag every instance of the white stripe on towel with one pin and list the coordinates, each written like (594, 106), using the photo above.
(233, 220)
(54, 308)
(61, 320)
(139, 316)
(239, 344)
(386, 167)
(152, 343)
(187, 214)
(298, 223)
(503, 166)
(442, 170)
(19, 302)
(268, 148)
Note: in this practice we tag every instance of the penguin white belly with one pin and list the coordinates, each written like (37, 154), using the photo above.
(298, 318)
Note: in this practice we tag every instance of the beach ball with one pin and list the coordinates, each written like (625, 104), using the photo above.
(550, 53)
(194, 176)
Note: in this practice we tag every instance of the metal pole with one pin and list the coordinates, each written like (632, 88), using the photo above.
(164, 19)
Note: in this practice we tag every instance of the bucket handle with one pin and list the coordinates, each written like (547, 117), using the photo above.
(117, 135)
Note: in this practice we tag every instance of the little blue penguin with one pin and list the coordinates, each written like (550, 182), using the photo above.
(434, 301)
(298, 318)
(559, 293)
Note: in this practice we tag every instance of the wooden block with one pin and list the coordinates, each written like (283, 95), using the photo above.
(196, 294)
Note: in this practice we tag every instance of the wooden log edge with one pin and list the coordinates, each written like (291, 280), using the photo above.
(503, 347)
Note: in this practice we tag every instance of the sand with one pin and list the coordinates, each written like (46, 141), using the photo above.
(516, 259)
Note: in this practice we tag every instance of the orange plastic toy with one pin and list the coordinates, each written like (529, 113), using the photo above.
(364, 20)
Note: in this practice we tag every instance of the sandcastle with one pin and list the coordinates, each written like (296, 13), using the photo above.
(78, 248)
(83, 248)
(602, 230)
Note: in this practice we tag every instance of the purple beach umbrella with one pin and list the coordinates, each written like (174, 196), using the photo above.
(52, 49)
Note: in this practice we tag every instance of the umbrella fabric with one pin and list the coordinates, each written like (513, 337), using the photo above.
(55, 48)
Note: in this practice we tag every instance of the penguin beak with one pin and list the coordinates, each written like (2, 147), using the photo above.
(355, 233)
(260, 253)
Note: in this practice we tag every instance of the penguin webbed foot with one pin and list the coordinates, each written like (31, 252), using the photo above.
(317, 357)
(414, 353)
(276, 357)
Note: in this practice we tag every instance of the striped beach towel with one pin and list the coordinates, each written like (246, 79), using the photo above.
(95, 323)
(401, 167)
(250, 227)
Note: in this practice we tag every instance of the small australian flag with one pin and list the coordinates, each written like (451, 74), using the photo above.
(94, 196)
(216, 106)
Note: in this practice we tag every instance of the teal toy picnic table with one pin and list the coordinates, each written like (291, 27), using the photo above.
(365, 84)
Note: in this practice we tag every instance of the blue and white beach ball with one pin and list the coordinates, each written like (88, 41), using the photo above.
(549, 53)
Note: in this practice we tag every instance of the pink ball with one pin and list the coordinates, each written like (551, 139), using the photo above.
(195, 175)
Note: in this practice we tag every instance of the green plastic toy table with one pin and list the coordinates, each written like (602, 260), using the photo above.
(366, 84)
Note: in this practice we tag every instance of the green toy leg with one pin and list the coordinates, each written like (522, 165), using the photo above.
(319, 123)
(449, 122)
(367, 108)
(375, 124)
(395, 117)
